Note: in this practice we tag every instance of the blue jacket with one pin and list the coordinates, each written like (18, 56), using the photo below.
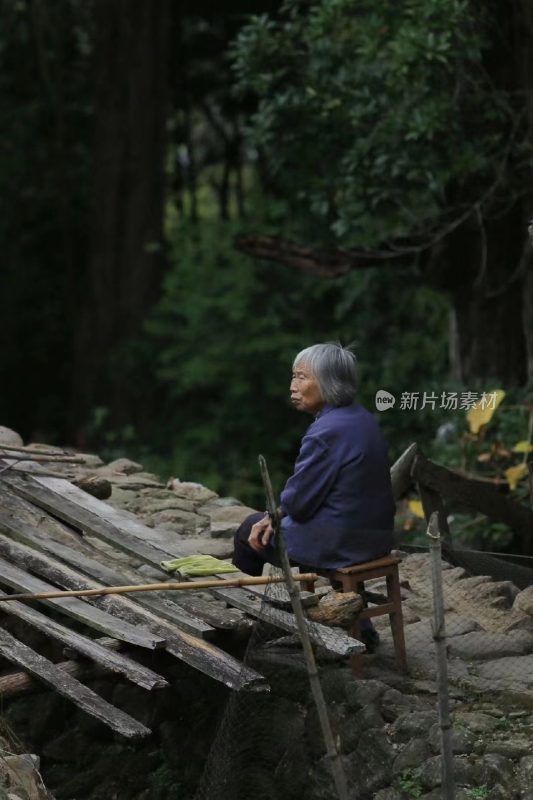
(338, 503)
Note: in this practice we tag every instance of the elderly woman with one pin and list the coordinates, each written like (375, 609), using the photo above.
(337, 507)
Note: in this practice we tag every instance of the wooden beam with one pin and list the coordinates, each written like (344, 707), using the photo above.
(207, 658)
(30, 525)
(102, 573)
(48, 673)
(86, 512)
(400, 473)
(90, 648)
(333, 640)
(16, 578)
(476, 495)
(19, 682)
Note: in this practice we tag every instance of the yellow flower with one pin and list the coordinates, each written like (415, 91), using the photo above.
(523, 447)
(481, 413)
(515, 474)
(415, 507)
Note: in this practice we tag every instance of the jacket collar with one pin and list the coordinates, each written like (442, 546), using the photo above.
(324, 410)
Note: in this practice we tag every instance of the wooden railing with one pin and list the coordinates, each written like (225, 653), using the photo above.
(438, 485)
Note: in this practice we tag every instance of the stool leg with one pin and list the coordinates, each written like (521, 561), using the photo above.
(396, 618)
(350, 584)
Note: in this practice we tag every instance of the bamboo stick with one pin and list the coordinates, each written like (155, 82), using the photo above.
(439, 637)
(169, 586)
(332, 751)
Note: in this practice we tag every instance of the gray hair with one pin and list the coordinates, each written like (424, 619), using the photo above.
(334, 367)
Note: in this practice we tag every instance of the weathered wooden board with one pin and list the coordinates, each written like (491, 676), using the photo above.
(275, 593)
(87, 513)
(48, 673)
(16, 578)
(102, 573)
(161, 604)
(90, 648)
(29, 525)
(71, 504)
(332, 639)
(473, 494)
(207, 658)
(16, 682)
(400, 472)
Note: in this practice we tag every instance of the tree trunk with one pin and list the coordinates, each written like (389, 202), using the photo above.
(482, 267)
(124, 269)
(524, 57)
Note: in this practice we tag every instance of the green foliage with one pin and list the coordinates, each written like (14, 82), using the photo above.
(369, 113)
(410, 787)
(223, 339)
(486, 456)
(477, 792)
(503, 724)
(226, 333)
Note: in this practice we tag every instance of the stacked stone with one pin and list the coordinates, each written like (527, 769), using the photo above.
(387, 722)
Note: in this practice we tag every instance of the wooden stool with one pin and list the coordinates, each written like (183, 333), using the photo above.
(353, 580)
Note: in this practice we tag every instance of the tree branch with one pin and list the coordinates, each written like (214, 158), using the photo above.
(319, 261)
(334, 261)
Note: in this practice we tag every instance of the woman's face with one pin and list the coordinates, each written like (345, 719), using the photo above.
(305, 391)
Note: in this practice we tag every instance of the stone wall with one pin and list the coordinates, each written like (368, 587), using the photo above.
(387, 722)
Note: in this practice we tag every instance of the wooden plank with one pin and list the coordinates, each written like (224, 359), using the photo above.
(27, 524)
(90, 648)
(207, 658)
(332, 639)
(198, 653)
(46, 671)
(159, 604)
(71, 504)
(275, 593)
(400, 472)
(474, 494)
(102, 573)
(85, 512)
(17, 682)
(195, 616)
(16, 578)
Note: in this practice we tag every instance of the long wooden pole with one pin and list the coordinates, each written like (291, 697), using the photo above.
(169, 586)
(332, 751)
(439, 637)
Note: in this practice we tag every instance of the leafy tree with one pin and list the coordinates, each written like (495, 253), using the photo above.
(220, 348)
(401, 131)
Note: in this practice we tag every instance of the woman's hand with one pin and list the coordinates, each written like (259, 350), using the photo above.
(261, 534)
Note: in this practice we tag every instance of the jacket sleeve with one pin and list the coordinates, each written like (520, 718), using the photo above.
(315, 472)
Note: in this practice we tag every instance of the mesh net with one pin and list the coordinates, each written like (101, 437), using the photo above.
(386, 722)
(269, 743)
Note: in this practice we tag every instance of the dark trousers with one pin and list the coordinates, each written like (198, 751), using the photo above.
(245, 557)
(251, 562)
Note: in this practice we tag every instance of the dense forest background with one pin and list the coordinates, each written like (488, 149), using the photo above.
(191, 196)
